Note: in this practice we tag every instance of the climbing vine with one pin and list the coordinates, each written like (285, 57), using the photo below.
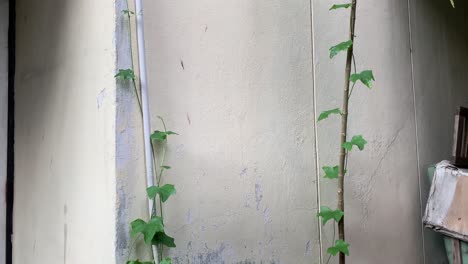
(152, 232)
(338, 172)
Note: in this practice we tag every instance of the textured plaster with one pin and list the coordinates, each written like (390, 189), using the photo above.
(382, 198)
(64, 206)
(235, 80)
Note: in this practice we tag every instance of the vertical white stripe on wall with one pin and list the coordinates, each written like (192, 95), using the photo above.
(317, 159)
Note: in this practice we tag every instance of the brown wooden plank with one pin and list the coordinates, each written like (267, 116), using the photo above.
(456, 252)
(447, 209)
(460, 142)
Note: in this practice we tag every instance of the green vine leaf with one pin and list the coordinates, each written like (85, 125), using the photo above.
(139, 262)
(357, 141)
(331, 172)
(348, 5)
(326, 114)
(340, 246)
(328, 214)
(126, 74)
(161, 135)
(128, 12)
(149, 229)
(164, 192)
(162, 238)
(348, 146)
(343, 46)
(166, 261)
(138, 226)
(166, 167)
(366, 77)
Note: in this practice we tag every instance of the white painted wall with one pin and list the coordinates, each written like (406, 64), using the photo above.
(382, 193)
(240, 82)
(3, 120)
(64, 208)
(243, 103)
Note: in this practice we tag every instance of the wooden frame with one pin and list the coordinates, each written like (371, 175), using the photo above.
(460, 142)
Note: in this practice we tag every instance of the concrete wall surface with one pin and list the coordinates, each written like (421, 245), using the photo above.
(440, 42)
(64, 208)
(243, 82)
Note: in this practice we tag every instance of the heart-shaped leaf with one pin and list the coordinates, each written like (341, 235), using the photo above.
(366, 77)
(161, 135)
(340, 246)
(162, 238)
(357, 141)
(348, 5)
(125, 74)
(164, 192)
(343, 46)
(326, 114)
(331, 172)
(148, 229)
(327, 214)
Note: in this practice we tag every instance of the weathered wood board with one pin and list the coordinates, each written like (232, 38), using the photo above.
(447, 206)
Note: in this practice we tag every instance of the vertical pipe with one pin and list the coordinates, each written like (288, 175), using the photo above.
(145, 106)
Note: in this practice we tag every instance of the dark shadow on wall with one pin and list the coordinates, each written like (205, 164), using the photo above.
(11, 127)
(440, 41)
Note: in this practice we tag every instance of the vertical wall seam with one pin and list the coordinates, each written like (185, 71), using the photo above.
(416, 131)
(316, 148)
(10, 132)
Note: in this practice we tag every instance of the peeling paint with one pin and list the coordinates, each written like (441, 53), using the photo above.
(307, 248)
(101, 96)
(188, 119)
(258, 195)
(189, 216)
(243, 172)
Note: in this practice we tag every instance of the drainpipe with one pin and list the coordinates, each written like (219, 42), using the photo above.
(145, 107)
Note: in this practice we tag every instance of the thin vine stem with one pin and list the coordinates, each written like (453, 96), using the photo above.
(334, 240)
(355, 71)
(137, 90)
(344, 129)
(130, 37)
(159, 177)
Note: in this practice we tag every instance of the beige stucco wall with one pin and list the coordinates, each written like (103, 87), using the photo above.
(240, 80)
(64, 208)
(243, 105)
